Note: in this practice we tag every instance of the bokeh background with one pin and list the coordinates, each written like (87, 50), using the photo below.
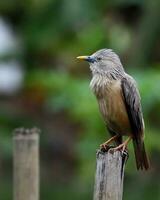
(43, 85)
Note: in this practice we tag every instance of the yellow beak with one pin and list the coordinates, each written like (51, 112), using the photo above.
(82, 57)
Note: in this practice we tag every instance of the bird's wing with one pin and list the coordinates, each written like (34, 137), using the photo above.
(133, 106)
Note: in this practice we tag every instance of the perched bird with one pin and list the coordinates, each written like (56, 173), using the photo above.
(119, 103)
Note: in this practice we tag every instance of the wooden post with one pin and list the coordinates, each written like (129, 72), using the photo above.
(109, 175)
(26, 164)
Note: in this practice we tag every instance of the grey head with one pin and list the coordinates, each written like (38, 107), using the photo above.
(104, 62)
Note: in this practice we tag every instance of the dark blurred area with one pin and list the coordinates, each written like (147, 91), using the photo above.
(42, 84)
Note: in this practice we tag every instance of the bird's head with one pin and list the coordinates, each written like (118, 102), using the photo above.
(103, 60)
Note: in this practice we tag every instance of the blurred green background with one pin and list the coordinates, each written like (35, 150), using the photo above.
(43, 85)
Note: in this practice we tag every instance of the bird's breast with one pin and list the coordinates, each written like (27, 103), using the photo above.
(112, 106)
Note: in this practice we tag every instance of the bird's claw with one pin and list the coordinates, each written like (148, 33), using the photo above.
(121, 147)
(105, 148)
(125, 153)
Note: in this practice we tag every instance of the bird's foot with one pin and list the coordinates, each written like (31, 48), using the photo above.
(122, 147)
(105, 146)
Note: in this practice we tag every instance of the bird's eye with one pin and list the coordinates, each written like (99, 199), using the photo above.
(99, 58)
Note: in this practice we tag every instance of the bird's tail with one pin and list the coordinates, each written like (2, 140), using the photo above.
(142, 160)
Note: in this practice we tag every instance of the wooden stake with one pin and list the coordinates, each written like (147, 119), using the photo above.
(26, 164)
(109, 175)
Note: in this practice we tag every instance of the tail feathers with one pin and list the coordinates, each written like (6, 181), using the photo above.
(142, 160)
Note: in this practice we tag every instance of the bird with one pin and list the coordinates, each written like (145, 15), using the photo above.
(119, 103)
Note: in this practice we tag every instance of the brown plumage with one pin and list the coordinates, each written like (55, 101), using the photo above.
(119, 102)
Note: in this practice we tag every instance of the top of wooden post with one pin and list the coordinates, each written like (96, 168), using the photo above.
(27, 131)
(22, 132)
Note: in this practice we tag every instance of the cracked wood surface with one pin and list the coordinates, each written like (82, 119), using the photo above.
(109, 175)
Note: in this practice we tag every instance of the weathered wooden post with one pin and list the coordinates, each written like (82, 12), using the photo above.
(26, 164)
(109, 175)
